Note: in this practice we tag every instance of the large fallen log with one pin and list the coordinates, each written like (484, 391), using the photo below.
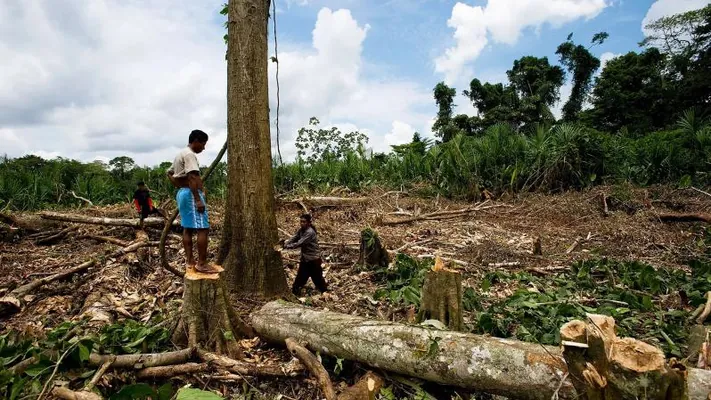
(506, 367)
(83, 219)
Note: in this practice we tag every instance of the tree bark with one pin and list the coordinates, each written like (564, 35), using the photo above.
(250, 231)
(442, 298)
(207, 322)
(498, 366)
(604, 366)
(367, 388)
(372, 251)
(83, 219)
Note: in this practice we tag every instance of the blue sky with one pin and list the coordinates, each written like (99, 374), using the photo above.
(104, 78)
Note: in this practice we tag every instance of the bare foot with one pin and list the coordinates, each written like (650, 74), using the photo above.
(206, 268)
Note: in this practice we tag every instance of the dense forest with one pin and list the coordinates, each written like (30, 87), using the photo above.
(642, 119)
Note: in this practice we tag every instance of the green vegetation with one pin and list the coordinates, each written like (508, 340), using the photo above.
(646, 302)
(61, 351)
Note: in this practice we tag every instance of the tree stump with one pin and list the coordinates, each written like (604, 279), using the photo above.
(604, 366)
(442, 297)
(372, 251)
(208, 320)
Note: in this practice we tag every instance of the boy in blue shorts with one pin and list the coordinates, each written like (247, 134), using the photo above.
(185, 175)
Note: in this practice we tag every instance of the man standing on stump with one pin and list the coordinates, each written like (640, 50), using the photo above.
(185, 175)
(310, 262)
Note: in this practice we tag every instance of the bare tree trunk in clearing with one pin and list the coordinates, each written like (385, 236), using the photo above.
(250, 232)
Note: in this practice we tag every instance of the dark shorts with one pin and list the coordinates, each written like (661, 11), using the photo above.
(146, 211)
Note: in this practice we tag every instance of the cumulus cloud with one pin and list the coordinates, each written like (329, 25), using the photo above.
(503, 21)
(327, 82)
(102, 78)
(665, 8)
(605, 58)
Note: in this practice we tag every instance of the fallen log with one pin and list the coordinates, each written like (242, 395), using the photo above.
(499, 366)
(83, 219)
(698, 217)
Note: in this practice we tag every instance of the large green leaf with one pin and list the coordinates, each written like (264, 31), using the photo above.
(196, 394)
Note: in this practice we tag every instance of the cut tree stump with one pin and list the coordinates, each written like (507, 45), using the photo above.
(604, 366)
(372, 252)
(208, 321)
(442, 297)
(499, 366)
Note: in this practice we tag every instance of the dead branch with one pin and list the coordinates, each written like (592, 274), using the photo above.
(671, 217)
(707, 310)
(65, 393)
(321, 202)
(143, 360)
(314, 366)
(245, 368)
(505, 264)
(460, 262)
(701, 191)
(84, 199)
(56, 237)
(440, 215)
(169, 371)
(105, 239)
(99, 373)
(83, 219)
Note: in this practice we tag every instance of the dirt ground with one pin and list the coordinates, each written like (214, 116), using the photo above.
(500, 235)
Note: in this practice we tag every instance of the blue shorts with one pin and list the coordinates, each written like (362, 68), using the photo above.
(189, 216)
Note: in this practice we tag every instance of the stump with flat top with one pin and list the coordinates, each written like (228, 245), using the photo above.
(208, 320)
(442, 297)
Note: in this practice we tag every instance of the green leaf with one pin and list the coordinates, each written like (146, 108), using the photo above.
(165, 392)
(87, 374)
(84, 352)
(133, 392)
(228, 335)
(196, 394)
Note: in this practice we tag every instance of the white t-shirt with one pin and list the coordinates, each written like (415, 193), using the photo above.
(186, 161)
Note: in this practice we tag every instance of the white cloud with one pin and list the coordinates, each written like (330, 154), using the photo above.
(101, 78)
(665, 8)
(470, 39)
(605, 58)
(327, 82)
(503, 21)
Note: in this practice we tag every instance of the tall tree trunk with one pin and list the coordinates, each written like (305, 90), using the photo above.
(250, 234)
